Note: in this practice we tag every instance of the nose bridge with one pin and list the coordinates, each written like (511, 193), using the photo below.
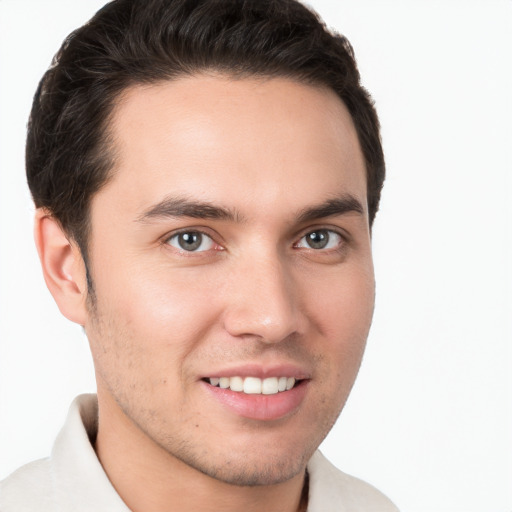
(262, 299)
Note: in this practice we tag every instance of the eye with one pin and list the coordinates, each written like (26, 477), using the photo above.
(320, 239)
(191, 241)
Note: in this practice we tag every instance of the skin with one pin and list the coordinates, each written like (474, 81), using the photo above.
(164, 318)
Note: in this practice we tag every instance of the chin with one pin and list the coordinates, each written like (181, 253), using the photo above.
(251, 474)
(247, 463)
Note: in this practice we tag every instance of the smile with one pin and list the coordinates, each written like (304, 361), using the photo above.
(254, 385)
(263, 398)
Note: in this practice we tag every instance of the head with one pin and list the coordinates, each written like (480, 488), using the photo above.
(69, 152)
(206, 175)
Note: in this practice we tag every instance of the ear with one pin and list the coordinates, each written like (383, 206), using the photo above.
(63, 267)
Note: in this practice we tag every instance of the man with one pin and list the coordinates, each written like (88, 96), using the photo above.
(206, 174)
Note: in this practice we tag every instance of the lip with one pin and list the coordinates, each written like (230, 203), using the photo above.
(260, 407)
(262, 372)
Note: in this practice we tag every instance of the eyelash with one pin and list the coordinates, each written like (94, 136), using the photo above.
(176, 236)
(323, 232)
(217, 247)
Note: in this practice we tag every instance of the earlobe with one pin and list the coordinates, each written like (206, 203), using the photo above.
(63, 267)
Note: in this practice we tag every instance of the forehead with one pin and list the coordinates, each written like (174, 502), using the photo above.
(225, 140)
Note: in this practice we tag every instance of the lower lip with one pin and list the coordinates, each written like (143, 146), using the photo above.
(260, 407)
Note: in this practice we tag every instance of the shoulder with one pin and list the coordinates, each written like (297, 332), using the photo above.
(71, 479)
(331, 490)
(39, 485)
(27, 489)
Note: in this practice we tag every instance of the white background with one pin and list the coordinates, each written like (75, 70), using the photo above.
(430, 418)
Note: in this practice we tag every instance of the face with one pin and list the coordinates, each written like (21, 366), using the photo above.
(230, 255)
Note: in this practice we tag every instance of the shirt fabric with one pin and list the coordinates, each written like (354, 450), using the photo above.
(73, 480)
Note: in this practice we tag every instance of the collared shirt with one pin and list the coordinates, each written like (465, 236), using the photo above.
(73, 480)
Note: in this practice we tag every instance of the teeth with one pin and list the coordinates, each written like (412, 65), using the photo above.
(236, 384)
(254, 385)
(270, 386)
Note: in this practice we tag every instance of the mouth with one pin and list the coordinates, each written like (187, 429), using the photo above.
(257, 392)
(263, 399)
(254, 385)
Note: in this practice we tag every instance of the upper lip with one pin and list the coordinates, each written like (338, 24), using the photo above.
(261, 371)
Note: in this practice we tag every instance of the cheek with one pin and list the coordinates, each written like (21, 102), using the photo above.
(157, 301)
(343, 312)
(343, 302)
(146, 323)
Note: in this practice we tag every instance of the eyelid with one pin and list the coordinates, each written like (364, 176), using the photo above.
(201, 230)
(322, 227)
(329, 241)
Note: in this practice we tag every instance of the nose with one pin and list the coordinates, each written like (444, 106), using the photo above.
(262, 301)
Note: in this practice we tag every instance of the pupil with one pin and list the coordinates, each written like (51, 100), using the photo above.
(318, 239)
(190, 241)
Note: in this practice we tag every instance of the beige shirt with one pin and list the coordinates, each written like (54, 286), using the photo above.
(73, 480)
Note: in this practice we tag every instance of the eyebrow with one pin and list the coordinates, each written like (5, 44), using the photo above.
(331, 208)
(176, 207)
(181, 207)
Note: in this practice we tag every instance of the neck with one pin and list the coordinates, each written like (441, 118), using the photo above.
(147, 477)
